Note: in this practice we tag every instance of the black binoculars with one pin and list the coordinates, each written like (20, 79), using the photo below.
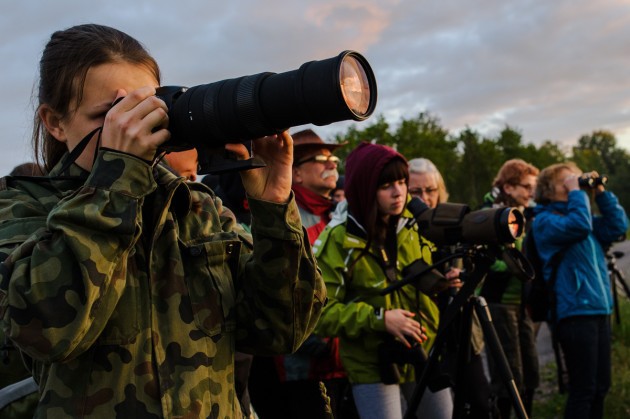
(587, 180)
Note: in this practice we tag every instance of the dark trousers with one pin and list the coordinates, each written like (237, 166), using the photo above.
(585, 342)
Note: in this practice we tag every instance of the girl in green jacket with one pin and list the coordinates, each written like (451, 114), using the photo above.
(362, 251)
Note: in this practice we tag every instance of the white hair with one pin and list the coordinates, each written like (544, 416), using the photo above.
(421, 165)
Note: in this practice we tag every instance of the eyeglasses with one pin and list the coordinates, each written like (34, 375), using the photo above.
(420, 191)
(528, 188)
(320, 158)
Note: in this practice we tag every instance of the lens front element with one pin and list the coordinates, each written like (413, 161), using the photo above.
(355, 86)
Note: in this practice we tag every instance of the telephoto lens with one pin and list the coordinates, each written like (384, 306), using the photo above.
(208, 116)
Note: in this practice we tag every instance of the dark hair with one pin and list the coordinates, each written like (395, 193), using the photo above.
(27, 169)
(66, 59)
(395, 169)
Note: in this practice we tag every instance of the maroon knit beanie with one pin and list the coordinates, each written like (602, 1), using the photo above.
(363, 168)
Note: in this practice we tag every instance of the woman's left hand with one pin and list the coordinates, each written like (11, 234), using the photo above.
(273, 182)
(453, 278)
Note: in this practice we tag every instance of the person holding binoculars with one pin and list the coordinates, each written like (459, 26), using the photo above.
(126, 288)
(564, 222)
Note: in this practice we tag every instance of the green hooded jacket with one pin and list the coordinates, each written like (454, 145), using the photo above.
(131, 289)
(357, 323)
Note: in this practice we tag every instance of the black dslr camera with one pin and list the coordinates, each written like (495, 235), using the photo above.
(588, 181)
(392, 353)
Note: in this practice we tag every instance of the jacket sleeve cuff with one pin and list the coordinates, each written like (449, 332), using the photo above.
(378, 321)
(121, 172)
(276, 220)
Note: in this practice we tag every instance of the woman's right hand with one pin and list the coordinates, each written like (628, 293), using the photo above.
(400, 323)
(136, 124)
(571, 182)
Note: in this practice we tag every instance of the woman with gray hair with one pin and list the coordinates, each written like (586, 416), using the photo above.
(426, 182)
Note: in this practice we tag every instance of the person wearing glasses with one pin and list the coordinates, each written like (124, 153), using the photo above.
(315, 175)
(296, 392)
(514, 186)
(426, 182)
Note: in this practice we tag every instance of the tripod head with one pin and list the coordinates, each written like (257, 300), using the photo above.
(479, 259)
(429, 280)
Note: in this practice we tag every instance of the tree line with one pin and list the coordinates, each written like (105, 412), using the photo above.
(469, 161)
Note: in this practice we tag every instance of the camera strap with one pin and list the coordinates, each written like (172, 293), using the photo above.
(76, 152)
(389, 254)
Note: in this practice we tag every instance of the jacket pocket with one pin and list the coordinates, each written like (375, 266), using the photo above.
(587, 293)
(210, 269)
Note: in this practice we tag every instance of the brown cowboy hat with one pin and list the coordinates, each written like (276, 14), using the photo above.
(306, 142)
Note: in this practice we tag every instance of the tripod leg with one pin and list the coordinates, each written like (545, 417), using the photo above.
(463, 359)
(496, 351)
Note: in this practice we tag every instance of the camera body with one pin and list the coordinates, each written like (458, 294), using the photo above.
(588, 181)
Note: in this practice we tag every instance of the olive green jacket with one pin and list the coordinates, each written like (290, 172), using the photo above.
(131, 293)
(357, 322)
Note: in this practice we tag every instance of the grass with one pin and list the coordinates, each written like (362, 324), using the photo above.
(548, 403)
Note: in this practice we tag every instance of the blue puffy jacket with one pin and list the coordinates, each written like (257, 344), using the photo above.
(582, 282)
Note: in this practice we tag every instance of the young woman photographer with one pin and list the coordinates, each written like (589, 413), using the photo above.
(125, 287)
(362, 251)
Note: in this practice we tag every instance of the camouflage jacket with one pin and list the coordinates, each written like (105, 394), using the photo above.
(131, 303)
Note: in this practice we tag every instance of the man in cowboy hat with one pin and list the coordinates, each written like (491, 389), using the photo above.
(314, 177)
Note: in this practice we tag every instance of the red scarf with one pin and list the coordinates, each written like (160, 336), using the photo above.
(315, 204)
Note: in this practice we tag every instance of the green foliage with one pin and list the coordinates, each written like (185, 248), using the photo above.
(469, 162)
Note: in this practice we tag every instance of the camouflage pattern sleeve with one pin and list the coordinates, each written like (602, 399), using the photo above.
(282, 287)
(132, 289)
(64, 282)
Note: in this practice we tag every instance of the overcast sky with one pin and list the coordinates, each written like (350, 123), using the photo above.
(555, 69)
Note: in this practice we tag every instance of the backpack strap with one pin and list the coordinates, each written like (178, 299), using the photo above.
(16, 391)
(554, 262)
